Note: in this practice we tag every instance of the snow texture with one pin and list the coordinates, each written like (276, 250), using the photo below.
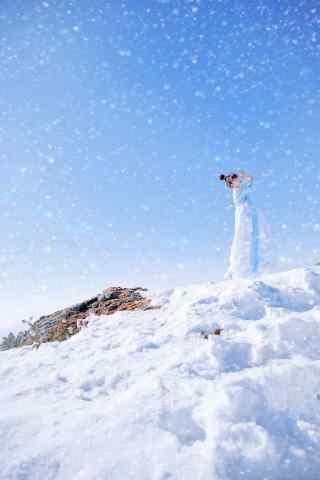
(143, 396)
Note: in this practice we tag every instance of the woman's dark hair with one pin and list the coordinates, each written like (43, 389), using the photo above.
(228, 178)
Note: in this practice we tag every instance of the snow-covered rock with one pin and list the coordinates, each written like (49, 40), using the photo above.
(142, 395)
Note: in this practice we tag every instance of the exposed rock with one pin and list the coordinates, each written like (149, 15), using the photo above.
(206, 335)
(65, 323)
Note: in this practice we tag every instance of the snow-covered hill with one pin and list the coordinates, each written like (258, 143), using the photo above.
(143, 396)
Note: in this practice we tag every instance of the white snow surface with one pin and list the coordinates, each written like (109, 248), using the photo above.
(141, 395)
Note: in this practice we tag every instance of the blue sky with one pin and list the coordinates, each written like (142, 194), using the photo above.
(116, 120)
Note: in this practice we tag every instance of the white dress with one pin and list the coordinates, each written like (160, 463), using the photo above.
(244, 257)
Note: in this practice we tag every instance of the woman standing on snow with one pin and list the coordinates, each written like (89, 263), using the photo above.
(244, 257)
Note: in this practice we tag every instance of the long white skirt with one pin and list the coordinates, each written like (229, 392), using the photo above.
(244, 257)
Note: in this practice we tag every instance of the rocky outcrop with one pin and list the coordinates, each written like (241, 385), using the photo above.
(64, 323)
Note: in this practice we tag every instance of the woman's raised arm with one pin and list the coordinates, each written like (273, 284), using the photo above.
(246, 175)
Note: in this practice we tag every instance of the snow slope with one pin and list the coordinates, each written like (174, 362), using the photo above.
(141, 395)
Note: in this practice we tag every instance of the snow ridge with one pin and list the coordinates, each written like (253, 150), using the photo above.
(143, 396)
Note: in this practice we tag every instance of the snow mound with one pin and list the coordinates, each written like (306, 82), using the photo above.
(143, 396)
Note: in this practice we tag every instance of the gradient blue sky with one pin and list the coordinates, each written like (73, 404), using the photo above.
(116, 119)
